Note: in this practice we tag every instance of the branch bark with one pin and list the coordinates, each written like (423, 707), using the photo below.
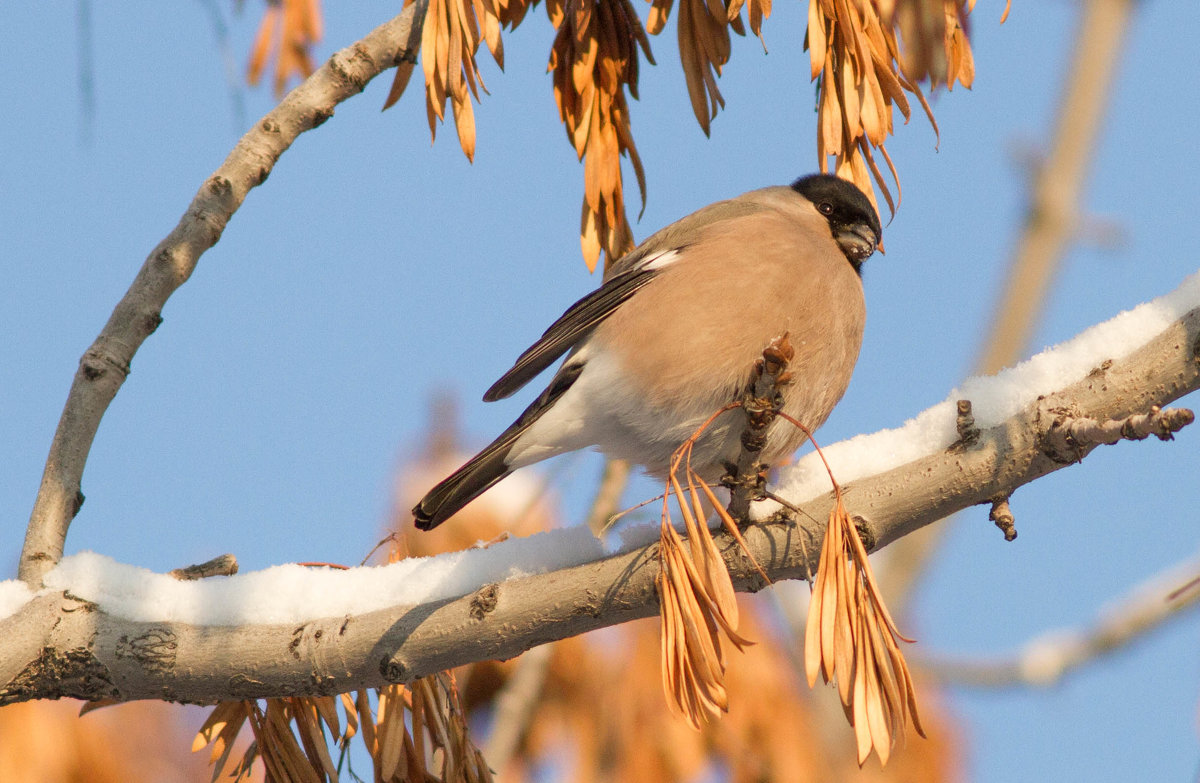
(58, 645)
(105, 365)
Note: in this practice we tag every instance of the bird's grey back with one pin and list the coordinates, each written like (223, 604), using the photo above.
(684, 231)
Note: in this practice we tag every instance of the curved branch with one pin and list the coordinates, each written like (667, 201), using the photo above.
(60, 644)
(105, 364)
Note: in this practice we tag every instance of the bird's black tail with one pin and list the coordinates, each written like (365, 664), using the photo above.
(490, 465)
(464, 485)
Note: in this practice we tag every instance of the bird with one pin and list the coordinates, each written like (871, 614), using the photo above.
(673, 332)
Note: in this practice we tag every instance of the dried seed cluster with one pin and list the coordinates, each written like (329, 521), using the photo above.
(704, 45)
(697, 603)
(414, 732)
(450, 39)
(851, 638)
(290, 735)
(865, 56)
(287, 32)
(594, 62)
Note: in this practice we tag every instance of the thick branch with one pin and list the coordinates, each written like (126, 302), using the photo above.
(104, 365)
(1028, 446)
(58, 645)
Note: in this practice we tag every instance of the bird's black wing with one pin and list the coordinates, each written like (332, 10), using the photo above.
(627, 276)
(575, 324)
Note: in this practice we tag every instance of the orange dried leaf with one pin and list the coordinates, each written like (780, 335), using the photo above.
(223, 745)
(731, 526)
(829, 601)
(263, 40)
(222, 714)
(876, 714)
(690, 58)
(404, 72)
(815, 38)
(589, 238)
(464, 123)
(862, 731)
(812, 633)
(307, 720)
(656, 20)
(362, 705)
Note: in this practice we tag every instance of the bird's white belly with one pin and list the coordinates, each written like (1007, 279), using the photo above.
(605, 410)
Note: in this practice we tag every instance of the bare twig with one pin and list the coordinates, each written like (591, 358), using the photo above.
(1070, 434)
(1054, 203)
(1002, 515)
(1050, 656)
(221, 565)
(61, 645)
(104, 365)
(515, 706)
(608, 497)
(968, 433)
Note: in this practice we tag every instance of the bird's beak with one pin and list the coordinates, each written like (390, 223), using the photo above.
(858, 241)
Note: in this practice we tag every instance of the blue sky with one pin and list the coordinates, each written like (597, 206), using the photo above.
(293, 373)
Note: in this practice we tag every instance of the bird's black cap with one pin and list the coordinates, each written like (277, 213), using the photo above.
(842, 203)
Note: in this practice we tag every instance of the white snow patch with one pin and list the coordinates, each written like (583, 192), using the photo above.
(993, 399)
(14, 594)
(292, 593)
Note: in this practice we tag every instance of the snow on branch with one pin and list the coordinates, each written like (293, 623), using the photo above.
(1098, 353)
(104, 630)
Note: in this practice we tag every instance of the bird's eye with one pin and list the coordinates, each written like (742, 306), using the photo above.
(825, 208)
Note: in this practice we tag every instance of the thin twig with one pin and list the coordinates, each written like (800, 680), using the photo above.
(221, 565)
(104, 365)
(964, 423)
(608, 496)
(1072, 433)
(1001, 514)
(515, 705)
(1050, 656)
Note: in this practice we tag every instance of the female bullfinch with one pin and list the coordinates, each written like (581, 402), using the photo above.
(673, 332)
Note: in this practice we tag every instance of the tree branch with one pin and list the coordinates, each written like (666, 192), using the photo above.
(62, 645)
(1051, 222)
(105, 365)
(1053, 218)
(1049, 656)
